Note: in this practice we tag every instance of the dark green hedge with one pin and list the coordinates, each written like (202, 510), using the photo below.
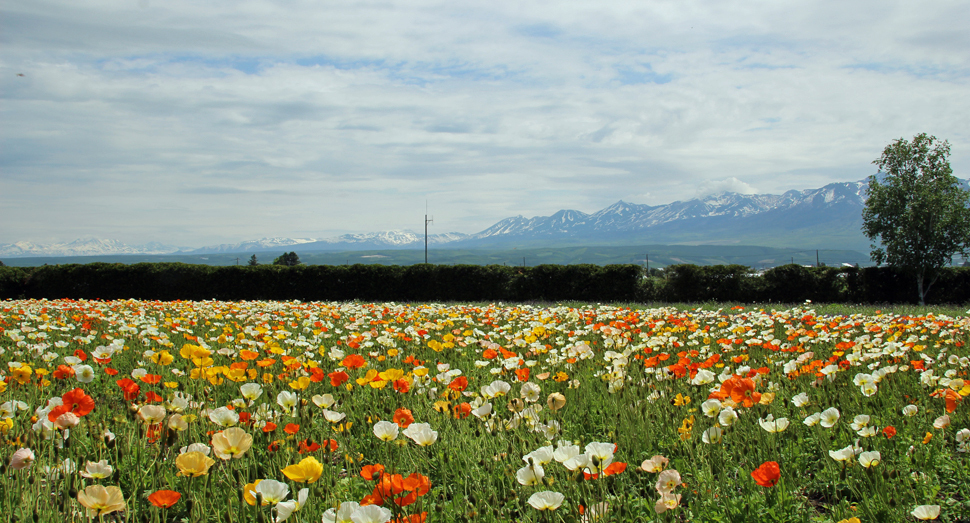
(177, 281)
(468, 283)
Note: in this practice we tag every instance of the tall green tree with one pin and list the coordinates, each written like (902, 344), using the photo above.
(916, 214)
(289, 259)
(253, 261)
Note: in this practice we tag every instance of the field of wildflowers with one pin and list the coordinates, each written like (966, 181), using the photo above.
(369, 413)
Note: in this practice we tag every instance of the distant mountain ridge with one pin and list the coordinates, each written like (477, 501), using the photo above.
(827, 217)
(82, 247)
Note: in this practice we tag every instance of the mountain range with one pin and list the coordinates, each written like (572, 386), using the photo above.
(828, 217)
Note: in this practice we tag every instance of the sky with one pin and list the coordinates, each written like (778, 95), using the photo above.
(196, 123)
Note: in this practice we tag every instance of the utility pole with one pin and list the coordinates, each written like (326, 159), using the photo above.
(426, 222)
(237, 261)
(817, 265)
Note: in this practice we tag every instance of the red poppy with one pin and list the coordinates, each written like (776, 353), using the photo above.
(459, 384)
(129, 389)
(269, 426)
(317, 374)
(80, 354)
(371, 472)
(462, 410)
(354, 361)
(614, 468)
(63, 371)
(291, 428)
(154, 431)
(489, 354)
(151, 379)
(78, 402)
(767, 475)
(308, 446)
(164, 498)
(274, 446)
(338, 378)
(244, 418)
(403, 418)
(402, 386)
(109, 371)
(417, 483)
(332, 445)
(413, 518)
(889, 431)
(152, 397)
(406, 500)
(522, 374)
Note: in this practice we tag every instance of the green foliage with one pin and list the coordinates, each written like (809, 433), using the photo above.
(253, 261)
(290, 259)
(476, 283)
(918, 216)
(693, 283)
(795, 283)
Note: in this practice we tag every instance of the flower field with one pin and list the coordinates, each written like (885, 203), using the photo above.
(369, 413)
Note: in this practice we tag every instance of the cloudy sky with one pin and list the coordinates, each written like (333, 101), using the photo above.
(193, 123)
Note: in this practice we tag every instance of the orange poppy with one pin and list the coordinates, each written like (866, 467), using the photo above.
(403, 418)
(291, 428)
(462, 410)
(78, 402)
(767, 475)
(151, 379)
(129, 389)
(338, 378)
(459, 384)
(522, 374)
(63, 371)
(248, 355)
(151, 397)
(164, 498)
(371, 472)
(353, 361)
(269, 426)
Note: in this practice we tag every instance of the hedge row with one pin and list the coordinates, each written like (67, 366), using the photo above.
(468, 283)
(795, 284)
(177, 281)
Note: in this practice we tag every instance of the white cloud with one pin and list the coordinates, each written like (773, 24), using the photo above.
(194, 123)
(731, 184)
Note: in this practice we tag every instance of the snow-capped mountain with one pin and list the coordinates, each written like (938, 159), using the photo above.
(828, 217)
(82, 247)
(837, 200)
(262, 244)
(397, 239)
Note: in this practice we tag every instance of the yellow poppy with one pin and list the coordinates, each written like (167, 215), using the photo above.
(306, 471)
